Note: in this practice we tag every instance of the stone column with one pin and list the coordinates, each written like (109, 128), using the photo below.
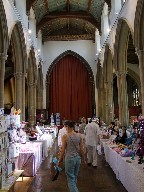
(141, 67)
(19, 91)
(106, 101)
(3, 58)
(47, 84)
(122, 98)
(109, 102)
(32, 103)
(39, 91)
(23, 97)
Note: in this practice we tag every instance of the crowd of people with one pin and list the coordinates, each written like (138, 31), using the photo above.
(79, 142)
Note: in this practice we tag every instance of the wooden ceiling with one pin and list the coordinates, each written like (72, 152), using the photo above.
(67, 19)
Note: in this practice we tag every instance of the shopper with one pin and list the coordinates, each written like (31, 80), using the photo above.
(92, 132)
(72, 146)
(62, 132)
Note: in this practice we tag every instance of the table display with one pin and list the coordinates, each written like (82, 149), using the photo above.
(10, 181)
(128, 171)
(30, 157)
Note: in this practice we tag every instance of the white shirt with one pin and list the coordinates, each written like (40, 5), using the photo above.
(92, 131)
(62, 132)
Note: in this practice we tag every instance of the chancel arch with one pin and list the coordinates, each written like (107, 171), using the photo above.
(71, 88)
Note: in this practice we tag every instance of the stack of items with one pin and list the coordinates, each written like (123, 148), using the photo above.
(5, 163)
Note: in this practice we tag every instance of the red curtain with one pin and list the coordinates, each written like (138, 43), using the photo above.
(70, 89)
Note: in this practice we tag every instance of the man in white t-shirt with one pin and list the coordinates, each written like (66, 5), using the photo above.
(92, 132)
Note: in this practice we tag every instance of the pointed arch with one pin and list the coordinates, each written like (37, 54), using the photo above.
(69, 52)
(139, 25)
(4, 40)
(70, 83)
(19, 48)
(122, 39)
(121, 45)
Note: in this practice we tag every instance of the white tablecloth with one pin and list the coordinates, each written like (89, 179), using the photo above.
(131, 174)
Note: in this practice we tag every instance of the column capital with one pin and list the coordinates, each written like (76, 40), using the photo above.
(121, 73)
(3, 56)
(18, 74)
(31, 84)
(139, 51)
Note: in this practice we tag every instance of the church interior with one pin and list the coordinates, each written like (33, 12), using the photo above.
(71, 60)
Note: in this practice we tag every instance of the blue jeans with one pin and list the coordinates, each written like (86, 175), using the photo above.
(72, 166)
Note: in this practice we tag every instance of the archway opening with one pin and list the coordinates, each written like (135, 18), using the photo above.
(70, 89)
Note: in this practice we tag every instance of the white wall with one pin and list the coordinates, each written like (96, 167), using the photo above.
(52, 49)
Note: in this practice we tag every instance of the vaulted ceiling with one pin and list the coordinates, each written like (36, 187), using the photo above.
(67, 19)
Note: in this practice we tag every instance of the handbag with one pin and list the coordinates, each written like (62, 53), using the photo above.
(54, 172)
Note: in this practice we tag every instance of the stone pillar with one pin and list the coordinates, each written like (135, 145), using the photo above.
(106, 101)
(23, 97)
(39, 91)
(32, 103)
(47, 84)
(3, 58)
(122, 98)
(19, 91)
(141, 67)
(109, 102)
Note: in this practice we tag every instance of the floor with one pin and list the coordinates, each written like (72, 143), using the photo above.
(101, 179)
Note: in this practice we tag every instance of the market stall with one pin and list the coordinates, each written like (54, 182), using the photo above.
(128, 171)
(30, 157)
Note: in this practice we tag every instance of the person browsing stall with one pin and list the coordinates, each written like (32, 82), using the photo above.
(92, 132)
(71, 147)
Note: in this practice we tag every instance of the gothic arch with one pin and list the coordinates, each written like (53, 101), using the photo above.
(120, 46)
(88, 71)
(69, 52)
(139, 25)
(3, 30)
(134, 76)
(18, 48)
